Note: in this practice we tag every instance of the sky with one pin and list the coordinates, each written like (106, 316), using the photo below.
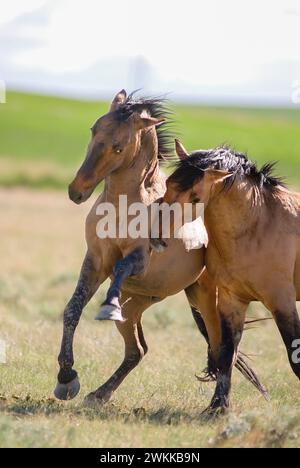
(219, 51)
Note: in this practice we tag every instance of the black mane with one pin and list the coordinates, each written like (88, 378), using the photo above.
(157, 107)
(191, 169)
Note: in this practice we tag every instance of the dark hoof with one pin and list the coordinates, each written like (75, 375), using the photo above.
(110, 312)
(93, 401)
(67, 391)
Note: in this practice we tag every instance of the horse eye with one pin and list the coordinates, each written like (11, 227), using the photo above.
(118, 151)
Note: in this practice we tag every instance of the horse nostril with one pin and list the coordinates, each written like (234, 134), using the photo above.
(76, 197)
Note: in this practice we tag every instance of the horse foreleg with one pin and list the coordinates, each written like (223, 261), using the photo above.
(90, 279)
(202, 297)
(232, 312)
(132, 264)
(135, 347)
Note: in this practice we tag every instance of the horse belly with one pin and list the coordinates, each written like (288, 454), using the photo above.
(168, 273)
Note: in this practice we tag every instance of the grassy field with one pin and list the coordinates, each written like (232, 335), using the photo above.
(160, 403)
(42, 246)
(43, 139)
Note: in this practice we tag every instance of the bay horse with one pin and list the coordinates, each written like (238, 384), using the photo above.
(253, 253)
(125, 148)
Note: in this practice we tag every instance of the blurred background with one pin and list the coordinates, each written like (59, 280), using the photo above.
(230, 69)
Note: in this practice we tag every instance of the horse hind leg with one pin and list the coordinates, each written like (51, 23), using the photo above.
(210, 373)
(283, 308)
(203, 301)
(142, 338)
(135, 348)
(232, 317)
(202, 298)
(289, 327)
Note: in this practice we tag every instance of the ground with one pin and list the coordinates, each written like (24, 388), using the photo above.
(160, 403)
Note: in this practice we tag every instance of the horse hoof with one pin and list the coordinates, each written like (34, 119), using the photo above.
(212, 413)
(67, 391)
(91, 401)
(110, 312)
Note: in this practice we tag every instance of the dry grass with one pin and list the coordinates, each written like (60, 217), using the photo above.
(35, 174)
(159, 404)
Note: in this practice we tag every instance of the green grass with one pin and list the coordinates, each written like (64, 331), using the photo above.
(43, 139)
(160, 403)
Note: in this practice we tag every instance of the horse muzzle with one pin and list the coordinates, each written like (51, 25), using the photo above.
(79, 197)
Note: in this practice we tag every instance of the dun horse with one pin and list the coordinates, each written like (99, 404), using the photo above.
(253, 254)
(124, 151)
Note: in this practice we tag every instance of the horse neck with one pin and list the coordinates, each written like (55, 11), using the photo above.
(234, 214)
(143, 174)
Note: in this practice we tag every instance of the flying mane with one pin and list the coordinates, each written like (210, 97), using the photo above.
(156, 107)
(191, 169)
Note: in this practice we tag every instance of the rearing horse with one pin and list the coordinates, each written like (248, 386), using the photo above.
(124, 151)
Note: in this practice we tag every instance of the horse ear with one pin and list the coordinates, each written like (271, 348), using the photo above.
(180, 150)
(216, 175)
(118, 100)
(145, 122)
